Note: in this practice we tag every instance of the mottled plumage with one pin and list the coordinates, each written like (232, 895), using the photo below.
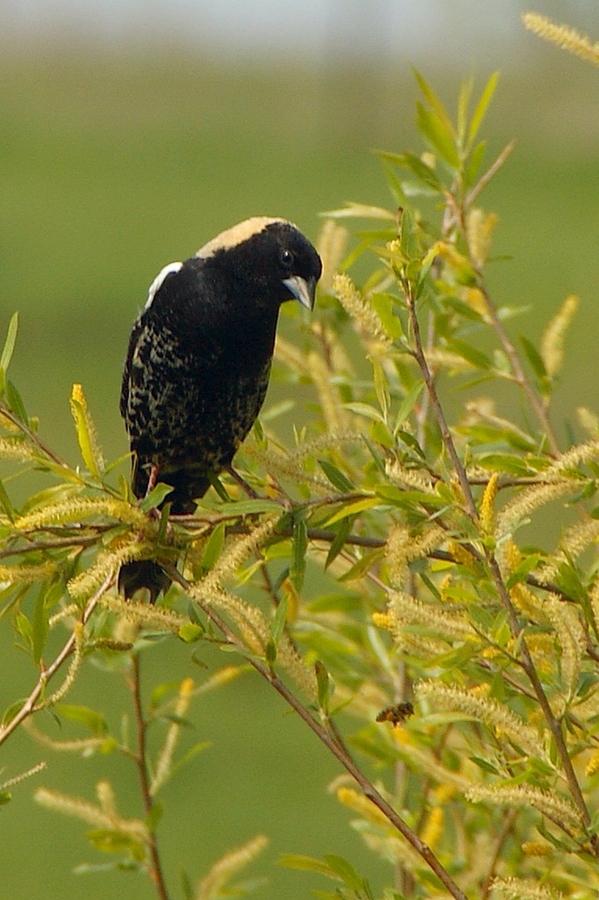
(199, 360)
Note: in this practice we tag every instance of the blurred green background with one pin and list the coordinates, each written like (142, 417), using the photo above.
(121, 151)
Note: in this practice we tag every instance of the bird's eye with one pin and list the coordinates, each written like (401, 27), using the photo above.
(287, 258)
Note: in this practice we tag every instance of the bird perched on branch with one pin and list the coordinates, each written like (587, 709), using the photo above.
(199, 359)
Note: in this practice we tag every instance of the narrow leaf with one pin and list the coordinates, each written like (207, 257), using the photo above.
(534, 357)
(481, 108)
(441, 139)
(155, 497)
(353, 509)
(279, 620)
(9, 344)
(336, 476)
(323, 684)
(407, 404)
(84, 716)
(338, 542)
(39, 626)
(345, 871)
(299, 546)
(213, 547)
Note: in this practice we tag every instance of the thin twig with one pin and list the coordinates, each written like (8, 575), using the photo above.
(141, 761)
(33, 437)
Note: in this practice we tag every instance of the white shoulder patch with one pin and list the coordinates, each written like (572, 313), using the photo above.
(159, 281)
(236, 235)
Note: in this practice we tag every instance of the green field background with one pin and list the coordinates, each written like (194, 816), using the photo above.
(113, 164)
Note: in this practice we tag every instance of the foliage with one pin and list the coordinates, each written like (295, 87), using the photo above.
(429, 604)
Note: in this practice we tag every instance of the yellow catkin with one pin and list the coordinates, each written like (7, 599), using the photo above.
(537, 849)
(592, 766)
(331, 245)
(214, 883)
(461, 555)
(384, 620)
(487, 506)
(479, 231)
(362, 805)
(563, 36)
(552, 341)
(433, 828)
(368, 323)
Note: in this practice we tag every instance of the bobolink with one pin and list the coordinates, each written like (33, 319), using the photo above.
(199, 360)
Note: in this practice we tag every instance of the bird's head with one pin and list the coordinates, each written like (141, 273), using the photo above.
(269, 256)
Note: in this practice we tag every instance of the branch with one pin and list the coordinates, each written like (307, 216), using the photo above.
(329, 737)
(141, 762)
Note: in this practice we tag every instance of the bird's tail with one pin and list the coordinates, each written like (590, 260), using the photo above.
(143, 573)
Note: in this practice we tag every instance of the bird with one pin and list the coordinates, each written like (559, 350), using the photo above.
(198, 363)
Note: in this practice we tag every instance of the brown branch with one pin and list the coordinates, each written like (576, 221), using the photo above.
(141, 761)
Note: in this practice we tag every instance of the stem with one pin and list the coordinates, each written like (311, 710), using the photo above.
(141, 762)
(332, 741)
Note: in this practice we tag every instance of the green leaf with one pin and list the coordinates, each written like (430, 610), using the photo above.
(345, 871)
(9, 344)
(475, 357)
(24, 628)
(440, 137)
(154, 816)
(416, 166)
(434, 102)
(323, 683)
(299, 546)
(190, 632)
(336, 476)
(338, 542)
(39, 626)
(108, 841)
(277, 626)
(11, 711)
(15, 403)
(364, 409)
(407, 404)
(481, 108)
(84, 716)
(534, 357)
(213, 547)
(353, 509)
(156, 496)
(250, 507)
(305, 864)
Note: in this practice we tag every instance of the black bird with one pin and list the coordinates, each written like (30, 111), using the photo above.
(199, 360)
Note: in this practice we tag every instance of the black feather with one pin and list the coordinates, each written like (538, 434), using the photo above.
(199, 361)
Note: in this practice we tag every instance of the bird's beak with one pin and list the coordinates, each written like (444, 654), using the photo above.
(303, 289)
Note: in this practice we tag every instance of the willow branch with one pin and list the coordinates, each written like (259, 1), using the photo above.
(330, 738)
(155, 871)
